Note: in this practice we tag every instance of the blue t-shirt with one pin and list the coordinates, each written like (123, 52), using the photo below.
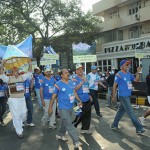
(27, 84)
(3, 88)
(83, 90)
(57, 77)
(93, 80)
(65, 93)
(124, 81)
(37, 80)
(48, 87)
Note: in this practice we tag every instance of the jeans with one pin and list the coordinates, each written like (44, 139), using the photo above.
(2, 107)
(109, 95)
(29, 109)
(125, 106)
(66, 125)
(94, 95)
(85, 117)
(37, 91)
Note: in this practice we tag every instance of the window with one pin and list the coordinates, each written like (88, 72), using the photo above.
(134, 8)
(104, 65)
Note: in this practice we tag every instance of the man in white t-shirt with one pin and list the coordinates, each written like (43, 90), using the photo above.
(93, 80)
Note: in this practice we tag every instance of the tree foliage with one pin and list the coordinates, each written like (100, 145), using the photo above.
(45, 19)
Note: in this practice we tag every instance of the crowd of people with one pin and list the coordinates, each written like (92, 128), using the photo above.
(59, 94)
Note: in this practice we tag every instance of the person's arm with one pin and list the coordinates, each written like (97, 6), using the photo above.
(99, 82)
(50, 110)
(80, 84)
(114, 92)
(137, 78)
(41, 95)
(29, 73)
(77, 98)
(2, 75)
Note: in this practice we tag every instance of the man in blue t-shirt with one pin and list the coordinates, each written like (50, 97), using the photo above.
(123, 80)
(28, 85)
(64, 90)
(46, 91)
(38, 76)
(3, 98)
(94, 80)
(82, 89)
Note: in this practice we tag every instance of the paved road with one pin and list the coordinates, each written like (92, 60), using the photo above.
(102, 138)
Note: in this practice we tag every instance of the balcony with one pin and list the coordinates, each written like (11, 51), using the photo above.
(111, 24)
(144, 16)
(102, 6)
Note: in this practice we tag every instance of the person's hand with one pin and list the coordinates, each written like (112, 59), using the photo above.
(80, 104)
(43, 103)
(50, 111)
(139, 69)
(84, 79)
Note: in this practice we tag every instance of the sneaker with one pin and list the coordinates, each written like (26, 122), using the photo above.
(77, 144)
(52, 126)
(98, 115)
(2, 124)
(20, 136)
(58, 137)
(30, 124)
(86, 132)
(115, 129)
(142, 120)
(140, 132)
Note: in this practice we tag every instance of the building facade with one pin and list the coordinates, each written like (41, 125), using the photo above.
(125, 32)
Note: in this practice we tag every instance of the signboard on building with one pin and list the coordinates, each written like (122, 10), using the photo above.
(127, 46)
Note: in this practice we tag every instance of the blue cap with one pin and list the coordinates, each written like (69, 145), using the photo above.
(123, 62)
(93, 67)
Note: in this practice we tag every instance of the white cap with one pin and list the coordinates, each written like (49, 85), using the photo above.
(47, 69)
(79, 66)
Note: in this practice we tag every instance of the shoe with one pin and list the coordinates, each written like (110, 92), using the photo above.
(58, 137)
(77, 144)
(2, 124)
(140, 132)
(108, 105)
(86, 132)
(20, 136)
(30, 124)
(98, 115)
(115, 129)
(142, 120)
(52, 127)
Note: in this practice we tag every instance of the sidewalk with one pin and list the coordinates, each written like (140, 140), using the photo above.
(102, 138)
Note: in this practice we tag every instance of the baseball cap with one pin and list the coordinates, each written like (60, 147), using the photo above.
(37, 68)
(79, 66)
(93, 67)
(47, 69)
(123, 62)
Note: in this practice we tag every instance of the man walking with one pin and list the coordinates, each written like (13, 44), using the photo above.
(16, 101)
(123, 80)
(93, 80)
(82, 89)
(64, 89)
(46, 91)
